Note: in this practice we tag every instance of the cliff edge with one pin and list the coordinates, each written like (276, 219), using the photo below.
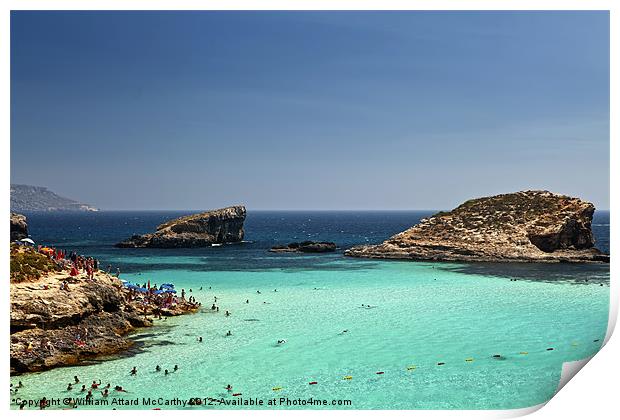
(526, 226)
(193, 231)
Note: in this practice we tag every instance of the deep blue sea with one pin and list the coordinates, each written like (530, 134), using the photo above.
(431, 328)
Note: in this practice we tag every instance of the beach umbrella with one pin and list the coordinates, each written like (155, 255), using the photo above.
(28, 241)
(142, 289)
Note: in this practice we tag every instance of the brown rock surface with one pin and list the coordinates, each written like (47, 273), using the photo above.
(51, 327)
(19, 227)
(197, 230)
(523, 226)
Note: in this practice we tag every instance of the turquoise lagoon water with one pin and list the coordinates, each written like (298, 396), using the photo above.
(421, 314)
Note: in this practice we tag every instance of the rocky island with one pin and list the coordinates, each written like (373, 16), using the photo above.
(526, 226)
(194, 231)
(310, 247)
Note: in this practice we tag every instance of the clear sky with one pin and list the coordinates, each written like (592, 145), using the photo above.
(319, 110)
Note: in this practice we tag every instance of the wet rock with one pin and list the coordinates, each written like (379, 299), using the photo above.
(305, 247)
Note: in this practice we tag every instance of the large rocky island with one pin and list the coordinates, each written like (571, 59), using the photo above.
(527, 226)
(193, 231)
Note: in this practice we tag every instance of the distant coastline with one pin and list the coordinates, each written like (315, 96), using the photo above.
(26, 198)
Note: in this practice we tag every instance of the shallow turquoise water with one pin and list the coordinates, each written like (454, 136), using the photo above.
(421, 314)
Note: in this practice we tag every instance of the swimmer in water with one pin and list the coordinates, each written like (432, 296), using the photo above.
(69, 387)
(229, 388)
(344, 331)
(176, 367)
(83, 388)
(227, 313)
(200, 339)
(76, 379)
(134, 371)
(258, 291)
(166, 372)
(228, 334)
(247, 301)
(105, 393)
(157, 368)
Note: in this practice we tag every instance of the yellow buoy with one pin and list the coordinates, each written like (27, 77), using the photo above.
(348, 378)
(523, 352)
(471, 359)
(412, 367)
(277, 388)
(574, 344)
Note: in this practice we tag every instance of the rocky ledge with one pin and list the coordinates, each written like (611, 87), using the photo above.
(194, 231)
(527, 226)
(19, 227)
(53, 326)
(306, 247)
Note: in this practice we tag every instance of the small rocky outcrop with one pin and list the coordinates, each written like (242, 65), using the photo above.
(524, 226)
(194, 231)
(310, 247)
(19, 227)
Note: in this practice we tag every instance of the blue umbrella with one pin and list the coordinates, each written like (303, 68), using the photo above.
(142, 289)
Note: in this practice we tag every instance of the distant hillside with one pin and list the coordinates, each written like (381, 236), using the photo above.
(33, 198)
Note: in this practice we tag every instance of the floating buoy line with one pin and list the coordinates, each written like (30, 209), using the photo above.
(497, 356)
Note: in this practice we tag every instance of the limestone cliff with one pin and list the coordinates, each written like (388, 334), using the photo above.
(197, 230)
(19, 227)
(523, 226)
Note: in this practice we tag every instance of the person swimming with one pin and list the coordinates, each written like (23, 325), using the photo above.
(95, 385)
(134, 371)
(247, 301)
(166, 372)
(228, 334)
(157, 368)
(227, 313)
(200, 339)
(229, 388)
(105, 393)
(176, 367)
(76, 379)
(83, 388)
(258, 291)
(283, 341)
(69, 387)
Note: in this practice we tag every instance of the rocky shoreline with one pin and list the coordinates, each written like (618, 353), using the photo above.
(62, 320)
(527, 226)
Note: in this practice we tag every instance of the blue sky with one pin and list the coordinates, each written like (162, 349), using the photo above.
(309, 110)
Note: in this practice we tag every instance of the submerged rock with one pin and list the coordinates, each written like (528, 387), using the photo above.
(524, 226)
(306, 246)
(19, 227)
(194, 231)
